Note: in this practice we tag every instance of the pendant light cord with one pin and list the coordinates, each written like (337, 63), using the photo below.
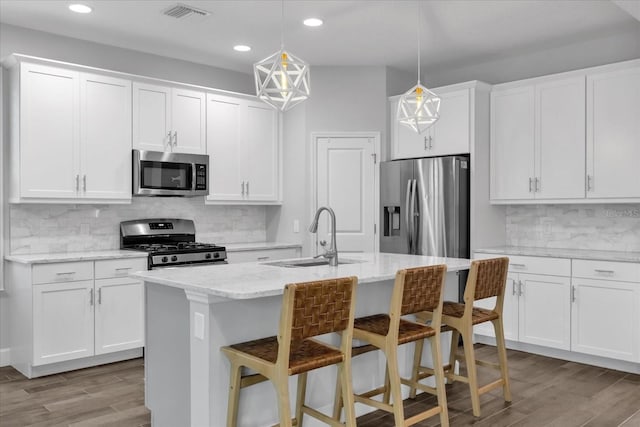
(282, 24)
(418, 17)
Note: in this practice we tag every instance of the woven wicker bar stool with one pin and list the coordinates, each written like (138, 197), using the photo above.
(415, 290)
(308, 309)
(487, 278)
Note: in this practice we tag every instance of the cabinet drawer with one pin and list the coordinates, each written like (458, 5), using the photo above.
(109, 268)
(263, 255)
(606, 270)
(534, 264)
(62, 272)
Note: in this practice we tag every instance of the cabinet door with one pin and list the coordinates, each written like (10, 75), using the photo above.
(62, 321)
(509, 311)
(119, 315)
(450, 134)
(545, 311)
(613, 134)
(151, 117)
(188, 121)
(560, 139)
(406, 143)
(606, 319)
(105, 137)
(261, 152)
(224, 148)
(49, 132)
(512, 143)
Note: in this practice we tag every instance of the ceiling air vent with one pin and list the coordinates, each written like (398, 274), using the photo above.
(182, 11)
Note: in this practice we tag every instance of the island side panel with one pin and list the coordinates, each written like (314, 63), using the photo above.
(167, 365)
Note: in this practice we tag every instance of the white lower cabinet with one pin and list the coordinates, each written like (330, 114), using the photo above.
(259, 255)
(592, 308)
(66, 311)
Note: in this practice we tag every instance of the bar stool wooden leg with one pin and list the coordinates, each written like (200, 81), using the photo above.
(472, 372)
(234, 395)
(344, 371)
(455, 337)
(300, 396)
(284, 409)
(417, 362)
(396, 393)
(502, 357)
(436, 353)
(337, 401)
(386, 397)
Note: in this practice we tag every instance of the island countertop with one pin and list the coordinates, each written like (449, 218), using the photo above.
(256, 280)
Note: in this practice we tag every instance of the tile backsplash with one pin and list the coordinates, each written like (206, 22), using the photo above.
(69, 228)
(599, 227)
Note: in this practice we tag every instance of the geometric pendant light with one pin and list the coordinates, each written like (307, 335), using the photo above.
(418, 108)
(282, 79)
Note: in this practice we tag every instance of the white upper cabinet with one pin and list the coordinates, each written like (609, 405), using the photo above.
(537, 141)
(73, 141)
(569, 138)
(244, 150)
(512, 143)
(449, 135)
(168, 119)
(613, 134)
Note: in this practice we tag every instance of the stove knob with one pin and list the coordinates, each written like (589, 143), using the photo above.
(207, 256)
(216, 255)
(174, 258)
(165, 259)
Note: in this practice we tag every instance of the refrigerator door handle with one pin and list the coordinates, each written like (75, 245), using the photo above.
(407, 216)
(414, 229)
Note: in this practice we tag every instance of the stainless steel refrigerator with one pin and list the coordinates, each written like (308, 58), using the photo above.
(425, 207)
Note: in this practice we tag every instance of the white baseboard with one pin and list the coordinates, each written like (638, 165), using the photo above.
(5, 357)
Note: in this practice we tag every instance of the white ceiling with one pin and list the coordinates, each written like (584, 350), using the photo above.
(454, 32)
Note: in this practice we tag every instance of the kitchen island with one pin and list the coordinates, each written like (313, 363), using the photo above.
(193, 311)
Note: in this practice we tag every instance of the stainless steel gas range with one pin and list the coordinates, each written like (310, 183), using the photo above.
(170, 242)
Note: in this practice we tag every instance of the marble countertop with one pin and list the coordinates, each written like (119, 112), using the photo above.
(564, 253)
(48, 258)
(256, 280)
(239, 247)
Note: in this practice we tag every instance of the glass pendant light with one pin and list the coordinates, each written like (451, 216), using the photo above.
(418, 108)
(282, 79)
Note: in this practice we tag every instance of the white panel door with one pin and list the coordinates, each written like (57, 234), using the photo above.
(119, 315)
(188, 121)
(450, 134)
(224, 148)
(151, 117)
(105, 137)
(606, 319)
(346, 183)
(62, 321)
(545, 311)
(613, 134)
(49, 132)
(509, 311)
(560, 139)
(512, 143)
(261, 154)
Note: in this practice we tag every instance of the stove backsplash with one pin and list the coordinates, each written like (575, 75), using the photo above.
(600, 227)
(70, 228)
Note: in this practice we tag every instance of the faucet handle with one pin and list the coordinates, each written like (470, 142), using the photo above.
(323, 243)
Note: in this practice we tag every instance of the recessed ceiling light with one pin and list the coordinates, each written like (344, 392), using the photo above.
(242, 48)
(80, 8)
(312, 22)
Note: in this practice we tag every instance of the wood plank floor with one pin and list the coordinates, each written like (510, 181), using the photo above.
(546, 392)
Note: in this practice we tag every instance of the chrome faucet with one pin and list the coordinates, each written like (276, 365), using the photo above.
(332, 253)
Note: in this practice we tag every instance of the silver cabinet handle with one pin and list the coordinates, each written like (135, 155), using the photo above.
(537, 182)
(65, 273)
(175, 138)
(604, 271)
(573, 294)
(430, 142)
(242, 185)
(530, 185)
(263, 258)
(84, 183)
(170, 136)
(520, 288)
(99, 295)
(589, 183)
(513, 289)
(77, 183)
(247, 188)
(426, 146)
(518, 265)
(90, 296)
(123, 268)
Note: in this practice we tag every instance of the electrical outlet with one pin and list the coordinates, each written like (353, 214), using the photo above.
(198, 325)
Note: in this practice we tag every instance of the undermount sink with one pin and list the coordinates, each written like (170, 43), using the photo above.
(309, 262)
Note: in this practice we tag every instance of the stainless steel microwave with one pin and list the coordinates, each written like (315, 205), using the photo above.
(157, 173)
